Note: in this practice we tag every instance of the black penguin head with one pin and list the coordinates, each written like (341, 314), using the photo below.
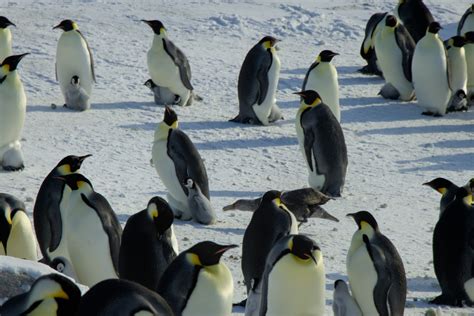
(150, 84)
(469, 37)
(170, 117)
(66, 25)
(434, 27)
(189, 183)
(75, 80)
(327, 55)
(70, 164)
(10, 63)
(161, 214)
(207, 253)
(340, 284)
(303, 247)
(156, 26)
(4, 22)
(310, 97)
(75, 181)
(390, 21)
(465, 194)
(363, 218)
(460, 94)
(268, 42)
(439, 184)
(270, 196)
(457, 41)
(58, 264)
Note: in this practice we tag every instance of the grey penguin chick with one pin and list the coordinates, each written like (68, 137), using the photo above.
(76, 97)
(343, 304)
(199, 204)
(163, 95)
(63, 265)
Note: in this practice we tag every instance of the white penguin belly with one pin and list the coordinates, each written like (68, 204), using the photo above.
(430, 75)
(5, 43)
(88, 244)
(22, 240)
(12, 110)
(390, 60)
(458, 69)
(296, 288)
(469, 288)
(263, 110)
(362, 280)
(73, 59)
(212, 294)
(469, 50)
(47, 307)
(323, 79)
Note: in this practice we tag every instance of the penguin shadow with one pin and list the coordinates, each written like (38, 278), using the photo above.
(94, 106)
(203, 229)
(454, 162)
(295, 71)
(290, 83)
(360, 80)
(237, 194)
(238, 310)
(247, 143)
(423, 284)
(426, 129)
(372, 109)
(455, 143)
(294, 104)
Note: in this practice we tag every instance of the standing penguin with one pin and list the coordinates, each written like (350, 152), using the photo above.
(73, 58)
(196, 283)
(51, 294)
(394, 48)
(415, 16)
(343, 304)
(147, 246)
(199, 205)
(258, 81)
(322, 76)
(47, 217)
(12, 114)
(5, 38)
(469, 50)
(466, 24)
(430, 73)
(93, 232)
(163, 96)
(16, 233)
(168, 66)
(457, 73)
(271, 221)
(76, 97)
(446, 188)
(367, 49)
(375, 269)
(295, 262)
(176, 158)
(122, 297)
(322, 143)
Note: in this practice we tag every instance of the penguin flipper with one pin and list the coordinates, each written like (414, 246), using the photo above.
(305, 81)
(407, 46)
(90, 55)
(463, 20)
(262, 77)
(181, 61)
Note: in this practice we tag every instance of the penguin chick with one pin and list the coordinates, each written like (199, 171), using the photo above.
(447, 190)
(199, 205)
(343, 304)
(64, 266)
(76, 97)
(162, 95)
(458, 102)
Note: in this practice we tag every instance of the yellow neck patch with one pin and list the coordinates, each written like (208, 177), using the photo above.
(442, 191)
(365, 226)
(318, 59)
(193, 259)
(74, 26)
(267, 44)
(290, 244)
(65, 169)
(316, 102)
(468, 199)
(6, 68)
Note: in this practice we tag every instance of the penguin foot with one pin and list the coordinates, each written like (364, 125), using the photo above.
(427, 113)
(14, 168)
(368, 70)
(446, 300)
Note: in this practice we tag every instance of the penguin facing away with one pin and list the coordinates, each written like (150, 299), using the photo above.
(162, 95)
(122, 297)
(295, 262)
(416, 17)
(375, 269)
(322, 143)
(12, 114)
(343, 304)
(367, 50)
(146, 248)
(197, 283)
(466, 24)
(5, 38)
(47, 217)
(469, 51)
(446, 188)
(76, 97)
(457, 73)
(258, 80)
(199, 205)
(51, 294)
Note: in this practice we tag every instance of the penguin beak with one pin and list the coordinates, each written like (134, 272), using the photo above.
(224, 249)
(59, 26)
(82, 158)
(312, 257)
(13, 61)
(299, 93)
(11, 23)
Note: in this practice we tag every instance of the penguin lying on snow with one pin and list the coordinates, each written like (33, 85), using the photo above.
(199, 204)
(162, 95)
(367, 50)
(5, 38)
(343, 304)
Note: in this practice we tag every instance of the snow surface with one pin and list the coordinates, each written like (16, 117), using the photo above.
(392, 148)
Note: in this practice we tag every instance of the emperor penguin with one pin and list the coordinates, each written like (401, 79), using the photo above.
(258, 81)
(322, 143)
(457, 73)
(64, 266)
(73, 58)
(47, 216)
(394, 47)
(446, 188)
(122, 297)
(163, 96)
(415, 16)
(271, 221)
(199, 205)
(51, 294)
(175, 159)
(322, 76)
(148, 244)
(17, 238)
(343, 304)
(367, 49)
(197, 283)
(12, 114)
(452, 249)
(76, 97)
(469, 50)
(295, 262)
(168, 65)
(466, 24)
(375, 269)
(93, 232)
(5, 38)
(430, 73)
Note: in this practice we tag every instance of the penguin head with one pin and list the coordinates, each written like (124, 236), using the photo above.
(341, 285)
(70, 164)
(391, 21)
(469, 37)
(364, 220)
(303, 247)
(77, 181)
(456, 41)
(268, 42)
(309, 98)
(63, 266)
(439, 184)
(326, 56)
(75, 80)
(157, 27)
(465, 194)
(150, 84)
(67, 25)
(170, 118)
(189, 183)
(10, 63)
(434, 27)
(206, 253)
(272, 196)
(4, 22)
(161, 214)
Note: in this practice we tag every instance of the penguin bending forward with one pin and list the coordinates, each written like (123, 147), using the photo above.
(367, 49)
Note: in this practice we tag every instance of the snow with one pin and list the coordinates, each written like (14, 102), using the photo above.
(392, 148)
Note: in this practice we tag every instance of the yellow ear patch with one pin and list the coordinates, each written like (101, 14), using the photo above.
(442, 190)
(316, 102)
(6, 68)
(154, 213)
(318, 59)
(65, 169)
(60, 294)
(193, 259)
(162, 30)
(80, 184)
(365, 226)
(74, 26)
(267, 44)
(468, 199)
(290, 244)
(175, 124)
